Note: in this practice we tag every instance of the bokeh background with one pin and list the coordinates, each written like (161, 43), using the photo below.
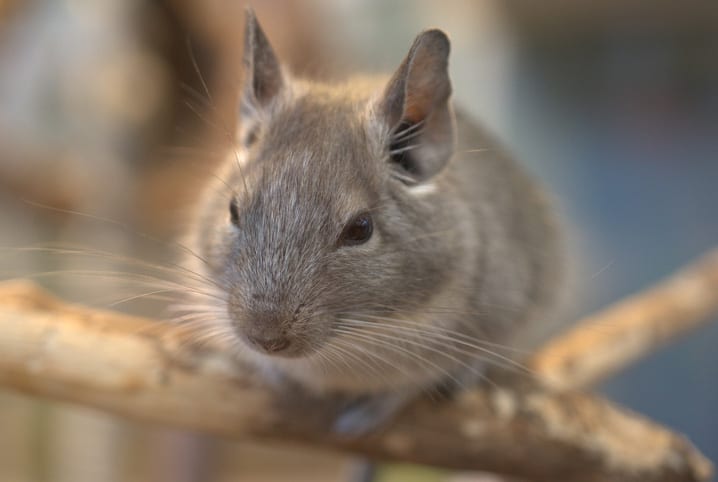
(104, 112)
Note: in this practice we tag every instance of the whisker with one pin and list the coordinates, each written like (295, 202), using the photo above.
(445, 330)
(122, 226)
(410, 147)
(437, 351)
(170, 268)
(140, 296)
(484, 149)
(370, 358)
(370, 339)
(200, 115)
(230, 138)
(401, 135)
(360, 365)
(145, 279)
(436, 334)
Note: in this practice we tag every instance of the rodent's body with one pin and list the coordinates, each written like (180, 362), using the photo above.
(499, 272)
(461, 252)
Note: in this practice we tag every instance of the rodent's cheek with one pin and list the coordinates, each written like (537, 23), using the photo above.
(354, 258)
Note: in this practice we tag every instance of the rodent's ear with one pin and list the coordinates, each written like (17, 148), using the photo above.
(263, 78)
(416, 107)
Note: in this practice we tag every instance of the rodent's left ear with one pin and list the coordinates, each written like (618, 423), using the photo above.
(416, 107)
(263, 78)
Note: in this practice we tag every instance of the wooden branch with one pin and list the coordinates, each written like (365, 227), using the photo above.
(141, 369)
(604, 343)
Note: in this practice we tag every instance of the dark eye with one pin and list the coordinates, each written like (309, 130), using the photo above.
(357, 231)
(234, 212)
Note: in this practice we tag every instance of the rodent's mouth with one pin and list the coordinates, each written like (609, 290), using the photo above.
(277, 337)
(277, 347)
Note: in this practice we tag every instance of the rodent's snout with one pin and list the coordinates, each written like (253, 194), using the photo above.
(266, 333)
(270, 344)
(269, 330)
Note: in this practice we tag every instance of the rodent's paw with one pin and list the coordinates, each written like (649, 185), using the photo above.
(367, 414)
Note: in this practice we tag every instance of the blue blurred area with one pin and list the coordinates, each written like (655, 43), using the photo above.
(623, 123)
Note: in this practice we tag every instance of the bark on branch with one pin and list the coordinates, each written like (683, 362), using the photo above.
(141, 369)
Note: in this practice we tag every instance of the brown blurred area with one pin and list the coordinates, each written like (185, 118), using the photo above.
(156, 88)
(113, 113)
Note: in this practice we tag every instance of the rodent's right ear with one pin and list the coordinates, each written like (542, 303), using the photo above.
(263, 78)
(416, 107)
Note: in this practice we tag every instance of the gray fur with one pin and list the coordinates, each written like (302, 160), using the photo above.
(468, 248)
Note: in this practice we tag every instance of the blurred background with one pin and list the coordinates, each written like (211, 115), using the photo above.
(117, 109)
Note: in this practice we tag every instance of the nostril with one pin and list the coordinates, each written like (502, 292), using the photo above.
(270, 345)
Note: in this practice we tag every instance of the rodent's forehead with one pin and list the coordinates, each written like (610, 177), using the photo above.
(316, 155)
(335, 128)
(304, 183)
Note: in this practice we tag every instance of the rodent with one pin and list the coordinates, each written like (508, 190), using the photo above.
(365, 239)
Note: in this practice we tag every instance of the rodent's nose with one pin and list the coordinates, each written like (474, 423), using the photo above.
(270, 344)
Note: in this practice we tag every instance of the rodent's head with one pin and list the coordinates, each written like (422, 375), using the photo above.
(335, 210)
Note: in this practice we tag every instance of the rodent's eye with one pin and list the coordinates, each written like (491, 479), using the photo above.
(234, 212)
(357, 231)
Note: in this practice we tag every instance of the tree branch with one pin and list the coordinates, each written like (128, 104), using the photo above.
(602, 344)
(143, 369)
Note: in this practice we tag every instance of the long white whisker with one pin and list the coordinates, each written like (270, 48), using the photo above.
(404, 149)
(426, 346)
(171, 268)
(120, 225)
(371, 339)
(437, 334)
(412, 130)
(368, 361)
(444, 330)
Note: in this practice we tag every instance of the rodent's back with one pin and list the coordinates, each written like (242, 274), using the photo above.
(520, 268)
